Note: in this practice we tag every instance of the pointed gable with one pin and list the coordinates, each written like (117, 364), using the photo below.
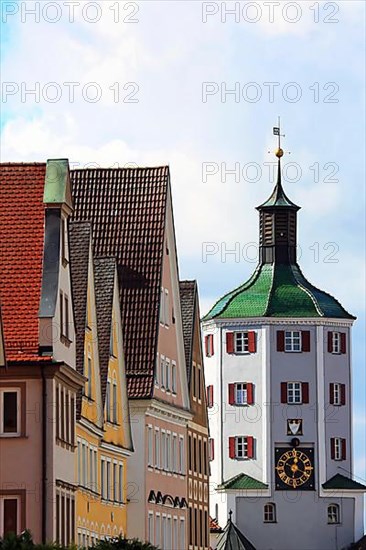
(21, 253)
(233, 539)
(127, 208)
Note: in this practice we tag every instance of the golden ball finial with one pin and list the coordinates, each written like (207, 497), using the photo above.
(279, 153)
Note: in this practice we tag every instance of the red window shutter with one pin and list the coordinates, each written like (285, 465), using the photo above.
(343, 394)
(210, 396)
(251, 342)
(250, 397)
(305, 340)
(331, 394)
(280, 340)
(332, 448)
(283, 392)
(330, 342)
(231, 447)
(305, 392)
(212, 448)
(230, 342)
(250, 442)
(343, 449)
(206, 345)
(343, 342)
(231, 394)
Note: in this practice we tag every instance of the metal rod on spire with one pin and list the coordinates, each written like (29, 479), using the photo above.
(277, 132)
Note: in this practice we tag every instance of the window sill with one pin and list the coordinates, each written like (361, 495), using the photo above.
(268, 521)
(13, 436)
(293, 350)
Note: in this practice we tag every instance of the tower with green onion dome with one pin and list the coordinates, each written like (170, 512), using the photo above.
(278, 368)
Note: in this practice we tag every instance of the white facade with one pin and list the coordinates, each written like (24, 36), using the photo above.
(301, 513)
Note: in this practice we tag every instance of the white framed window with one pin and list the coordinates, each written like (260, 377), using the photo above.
(241, 447)
(64, 240)
(121, 482)
(338, 448)
(168, 465)
(241, 393)
(157, 530)
(115, 403)
(157, 371)
(108, 480)
(157, 448)
(182, 534)
(293, 340)
(182, 464)
(175, 532)
(150, 527)
(10, 425)
(337, 400)
(269, 513)
(163, 449)
(333, 513)
(174, 377)
(163, 531)
(167, 308)
(89, 373)
(167, 374)
(162, 308)
(162, 371)
(9, 514)
(115, 481)
(336, 342)
(108, 402)
(174, 453)
(241, 342)
(150, 446)
(294, 393)
(169, 532)
(79, 461)
(103, 481)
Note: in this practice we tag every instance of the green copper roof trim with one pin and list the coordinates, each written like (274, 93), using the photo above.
(341, 482)
(57, 184)
(243, 481)
(277, 291)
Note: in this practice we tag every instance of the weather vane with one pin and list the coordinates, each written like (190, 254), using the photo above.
(277, 132)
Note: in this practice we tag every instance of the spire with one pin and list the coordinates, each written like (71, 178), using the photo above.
(278, 220)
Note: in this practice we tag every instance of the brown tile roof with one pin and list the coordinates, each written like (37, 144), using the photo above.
(21, 255)
(188, 296)
(127, 207)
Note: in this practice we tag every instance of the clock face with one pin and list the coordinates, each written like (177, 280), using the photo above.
(294, 468)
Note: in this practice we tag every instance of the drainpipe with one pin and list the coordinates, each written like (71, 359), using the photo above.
(44, 459)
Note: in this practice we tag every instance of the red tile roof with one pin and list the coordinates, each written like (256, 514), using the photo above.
(127, 208)
(214, 526)
(21, 255)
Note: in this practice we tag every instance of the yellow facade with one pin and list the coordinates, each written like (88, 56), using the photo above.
(103, 434)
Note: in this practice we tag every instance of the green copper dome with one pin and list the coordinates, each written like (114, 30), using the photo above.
(277, 290)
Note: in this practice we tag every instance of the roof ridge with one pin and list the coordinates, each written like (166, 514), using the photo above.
(116, 168)
(323, 292)
(313, 299)
(22, 163)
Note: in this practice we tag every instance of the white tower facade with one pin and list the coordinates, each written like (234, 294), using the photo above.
(278, 370)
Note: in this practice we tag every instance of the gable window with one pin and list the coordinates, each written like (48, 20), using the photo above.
(210, 396)
(338, 448)
(162, 371)
(337, 394)
(149, 446)
(64, 241)
(295, 393)
(10, 412)
(164, 307)
(241, 393)
(241, 447)
(114, 410)
(209, 345)
(167, 375)
(333, 513)
(156, 373)
(269, 513)
(337, 342)
(241, 342)
(174, 377)
(108, 402)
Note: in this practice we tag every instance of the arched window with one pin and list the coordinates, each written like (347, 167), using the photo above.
(333, 513)
(269, 513)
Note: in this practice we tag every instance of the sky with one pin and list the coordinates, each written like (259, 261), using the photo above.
(199, 86)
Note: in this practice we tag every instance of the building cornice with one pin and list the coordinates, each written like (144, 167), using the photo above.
(121, 451)
(319, 321)
(160, 409)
